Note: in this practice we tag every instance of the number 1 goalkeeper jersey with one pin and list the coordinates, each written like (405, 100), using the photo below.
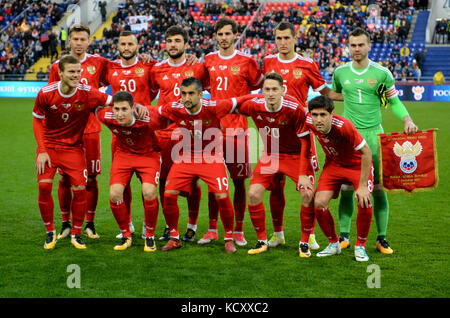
(360, 90)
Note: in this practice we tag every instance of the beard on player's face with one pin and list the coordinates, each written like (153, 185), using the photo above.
(176, 55)
(129, 56)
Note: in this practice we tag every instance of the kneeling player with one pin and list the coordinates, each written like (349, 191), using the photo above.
(348, 160)
(278, 119)
(199, 155)
(136, 151)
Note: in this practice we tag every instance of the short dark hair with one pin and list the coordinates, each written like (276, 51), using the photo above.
(357, 32)
(274, 76)
(321, 102)
(192, 81)
(176, 30)
(126, 33)
(285, 26)
(78, 27)
(67, 59)
(224, 22)
(123, 96)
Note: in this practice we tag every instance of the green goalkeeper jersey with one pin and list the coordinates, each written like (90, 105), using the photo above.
(362, 105)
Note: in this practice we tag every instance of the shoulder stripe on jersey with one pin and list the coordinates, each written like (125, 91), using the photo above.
(290, 104)
(360, 145)
(334, 119)
(162, 62)
(110, 115)
(307, 59)
(38, 116)
(84, 87)
(50, 88)
(303, 134)
(146, 119)
(243, 54)
(177, 105)
(318, 89)
(309, 120)
(212, 53)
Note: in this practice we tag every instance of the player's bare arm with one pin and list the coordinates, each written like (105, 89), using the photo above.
(362, 194)
(326, 91)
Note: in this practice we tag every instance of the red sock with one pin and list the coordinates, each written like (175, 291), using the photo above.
(258, 217)
(227, 216)
(151, 216)
(171, 213)
(277, 204)
(79, 210)
(127, 196)
(363, 219)
(92, 199)
(326, 223)
(307, 222)
(46, 205)
(314, 223)
(120, 212)
(193, 201)
(213, 211)
(240, 204)
(65, 200)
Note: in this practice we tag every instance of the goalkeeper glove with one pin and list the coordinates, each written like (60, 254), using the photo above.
(381, 91)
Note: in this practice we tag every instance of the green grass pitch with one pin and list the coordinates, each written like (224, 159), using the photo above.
(418, 232)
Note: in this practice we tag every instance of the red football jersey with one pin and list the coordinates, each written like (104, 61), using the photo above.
(92, 68)
(134, 79)
(298, 74)
(202, 127)
(65, 116)
(232, 76)
(139, 137)
(341, 144)
(277, 128)
(167, 78)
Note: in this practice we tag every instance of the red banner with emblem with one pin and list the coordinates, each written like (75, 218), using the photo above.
(408, 163)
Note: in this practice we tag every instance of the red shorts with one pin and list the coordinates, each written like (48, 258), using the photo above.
(266, 169)
(68, 162)
(166, 145)
(125, 164)
(237, 156)
(92, 149)
(334, 175)
(213, 174)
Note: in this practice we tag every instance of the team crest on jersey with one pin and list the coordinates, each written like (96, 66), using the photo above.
(371, 81)
(235, 69)
(79, 106)
(282, 122)
(91, 69)
(408, 153)
(189, 74)
(297, 73)
(139, 71)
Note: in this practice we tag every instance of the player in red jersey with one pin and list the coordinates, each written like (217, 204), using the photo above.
(198, 155)
(167, 76)
(299, 73)
(60, 115)
(348, 160)
(136, 151)
(92, 67)
(278, 119)
(232, 73)
(132, 75)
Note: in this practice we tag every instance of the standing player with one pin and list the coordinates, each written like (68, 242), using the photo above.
(348, 160)
(136, 151)
(232, 73)
(366, 87)
(199, 156)
(92, 67)
(278, 120)
(167, 76)
(61, 113)
(131, 75)
(299, 73)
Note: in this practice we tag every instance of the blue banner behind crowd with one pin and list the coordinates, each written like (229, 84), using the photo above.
(411, 92)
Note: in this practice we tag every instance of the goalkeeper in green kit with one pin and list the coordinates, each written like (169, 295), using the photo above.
(366, 87)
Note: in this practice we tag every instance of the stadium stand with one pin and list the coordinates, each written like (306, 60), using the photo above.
(26, 35)
(322, 28)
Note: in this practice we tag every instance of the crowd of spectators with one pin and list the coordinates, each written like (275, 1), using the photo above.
(322, 29)
(26, 35)
(442, 32)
